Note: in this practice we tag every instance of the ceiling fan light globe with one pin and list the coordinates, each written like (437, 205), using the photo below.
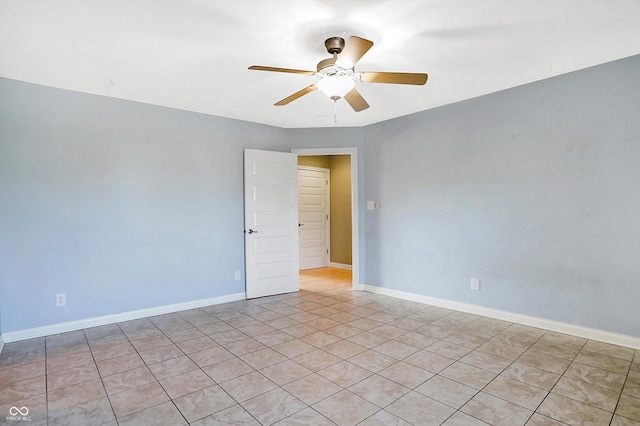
(336, 86)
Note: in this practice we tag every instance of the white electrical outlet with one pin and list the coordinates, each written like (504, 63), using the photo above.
(372, 205)
(61, 299)
(475, 283)
(238, 275)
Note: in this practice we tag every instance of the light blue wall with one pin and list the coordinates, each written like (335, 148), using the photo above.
(534, 190)
(120, 205)
(126, 206)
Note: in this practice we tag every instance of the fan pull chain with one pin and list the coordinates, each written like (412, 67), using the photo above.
(335, 111)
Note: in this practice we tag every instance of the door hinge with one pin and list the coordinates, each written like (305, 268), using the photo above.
(327, 216)
(327, 251)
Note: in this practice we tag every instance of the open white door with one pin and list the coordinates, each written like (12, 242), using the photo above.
(271, 222)
(313, 215)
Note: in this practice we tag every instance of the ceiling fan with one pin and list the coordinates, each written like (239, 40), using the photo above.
(338, 76)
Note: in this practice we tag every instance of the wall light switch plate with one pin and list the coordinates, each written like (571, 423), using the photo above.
(475, 284)
(61, 299)
(372, 205)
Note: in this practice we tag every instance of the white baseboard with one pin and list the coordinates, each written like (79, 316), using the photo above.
(560, 327)
(340, 265)
(14, 336)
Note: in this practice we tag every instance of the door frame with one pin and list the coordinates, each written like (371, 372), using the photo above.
(355, 252)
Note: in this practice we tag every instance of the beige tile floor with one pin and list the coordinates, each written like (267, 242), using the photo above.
(322, 356)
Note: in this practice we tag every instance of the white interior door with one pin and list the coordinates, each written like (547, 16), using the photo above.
(313, 214)
(271, 222)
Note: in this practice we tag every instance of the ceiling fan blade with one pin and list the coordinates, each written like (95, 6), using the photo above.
(394, 77)
(296, 95)
(355, 99)
(274, 69)
(355, 49)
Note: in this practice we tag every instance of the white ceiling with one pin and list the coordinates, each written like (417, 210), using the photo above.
(194, 54)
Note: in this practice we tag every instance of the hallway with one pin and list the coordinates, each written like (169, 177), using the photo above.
(325, 279)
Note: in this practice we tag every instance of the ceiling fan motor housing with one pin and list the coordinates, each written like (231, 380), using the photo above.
(327, 67)
(334, 45)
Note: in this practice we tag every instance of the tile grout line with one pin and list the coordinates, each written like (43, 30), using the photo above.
(615, 408)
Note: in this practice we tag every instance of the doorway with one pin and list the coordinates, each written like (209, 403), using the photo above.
(351, 232)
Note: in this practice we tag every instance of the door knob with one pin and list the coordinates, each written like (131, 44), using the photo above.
(251, 231)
